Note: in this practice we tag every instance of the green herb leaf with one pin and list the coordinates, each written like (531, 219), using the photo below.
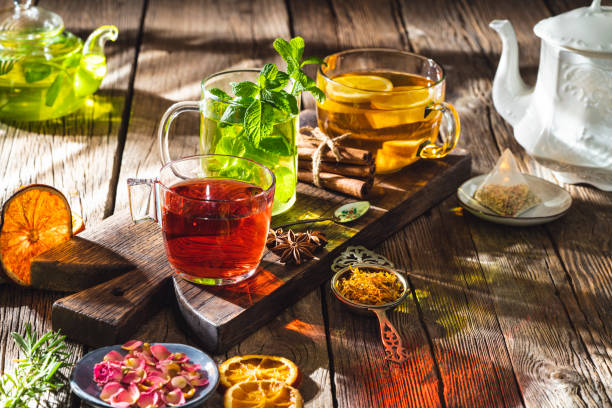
(313, 60)
(54, 89)
(219, 94)
(236, 110)
(35, 71)
(317, 93)
(297, 46)
(281, 100)
(246, 88)
(273, 79)
(252, 122)
(277, 145)
(37, 372)
(19, 341)
(286, 51)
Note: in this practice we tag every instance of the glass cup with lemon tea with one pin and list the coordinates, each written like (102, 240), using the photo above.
(392, 104)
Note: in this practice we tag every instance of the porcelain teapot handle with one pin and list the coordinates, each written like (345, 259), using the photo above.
(449, 131)
(23, 4)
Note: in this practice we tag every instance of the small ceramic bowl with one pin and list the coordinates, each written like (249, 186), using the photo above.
(556, 202)
(84, 386)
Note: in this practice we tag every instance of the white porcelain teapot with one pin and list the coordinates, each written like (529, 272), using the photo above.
(565, 122)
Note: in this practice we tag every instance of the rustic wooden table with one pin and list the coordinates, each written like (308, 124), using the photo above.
(498, 316)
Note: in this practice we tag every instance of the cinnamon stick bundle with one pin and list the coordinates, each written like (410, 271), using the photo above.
(308, 144)
(349, 170)
(346, 185)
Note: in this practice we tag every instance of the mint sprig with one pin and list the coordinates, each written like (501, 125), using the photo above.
(253, 104)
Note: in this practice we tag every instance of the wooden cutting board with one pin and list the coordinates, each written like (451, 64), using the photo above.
(220, 317)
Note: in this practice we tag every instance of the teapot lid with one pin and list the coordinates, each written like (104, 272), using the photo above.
(583, 29)
(27, 23)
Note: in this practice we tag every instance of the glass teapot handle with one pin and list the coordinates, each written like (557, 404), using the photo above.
(166, 122)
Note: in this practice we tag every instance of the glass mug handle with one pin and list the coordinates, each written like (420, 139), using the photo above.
(166, 122)
(142, 194)
(450, 128)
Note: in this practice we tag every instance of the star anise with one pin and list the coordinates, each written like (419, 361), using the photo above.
(294, 248)
(274, 237)
(317, 238)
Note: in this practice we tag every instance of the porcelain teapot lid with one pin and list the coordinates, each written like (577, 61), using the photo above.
(25, 22)
(583, 29)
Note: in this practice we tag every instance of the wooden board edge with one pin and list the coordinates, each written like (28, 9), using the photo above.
(99, 332)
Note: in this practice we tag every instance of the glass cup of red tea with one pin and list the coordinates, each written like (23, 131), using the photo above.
(214, 212)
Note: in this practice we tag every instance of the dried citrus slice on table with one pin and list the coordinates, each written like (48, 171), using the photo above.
(258, 367)
(350, 88)
(262, 394)
(78, 225)
(35, 219)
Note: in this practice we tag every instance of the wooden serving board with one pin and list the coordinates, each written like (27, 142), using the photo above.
(220, 317)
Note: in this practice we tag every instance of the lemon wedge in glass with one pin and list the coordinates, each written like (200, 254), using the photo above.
(357, 88)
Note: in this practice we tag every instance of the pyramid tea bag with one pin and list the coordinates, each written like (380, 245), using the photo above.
(505, 190)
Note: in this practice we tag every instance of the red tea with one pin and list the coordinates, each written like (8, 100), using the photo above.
(215, 228)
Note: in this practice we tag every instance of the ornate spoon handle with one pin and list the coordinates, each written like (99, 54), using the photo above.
(391, 339)
(311, 220)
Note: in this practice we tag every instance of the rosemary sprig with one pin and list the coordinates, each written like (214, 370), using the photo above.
(37, 372)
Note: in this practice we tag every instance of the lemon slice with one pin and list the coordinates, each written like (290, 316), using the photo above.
(350, 88)
(262, 394)
(403, 97)
(388, 163)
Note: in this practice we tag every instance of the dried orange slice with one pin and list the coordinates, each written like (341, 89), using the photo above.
(34, 220)
(258, 367)
(262, 394)
(78, 225)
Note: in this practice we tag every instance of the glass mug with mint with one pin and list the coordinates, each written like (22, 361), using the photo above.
(253, 114)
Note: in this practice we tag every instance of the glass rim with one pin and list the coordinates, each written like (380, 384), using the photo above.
(221, 73)
(204, 156)
(383, 50)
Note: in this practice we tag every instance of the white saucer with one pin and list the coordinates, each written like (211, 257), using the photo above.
(556, 201)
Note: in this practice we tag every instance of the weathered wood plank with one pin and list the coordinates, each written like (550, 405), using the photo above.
(581, 380)
(362, 378)
(75, 154)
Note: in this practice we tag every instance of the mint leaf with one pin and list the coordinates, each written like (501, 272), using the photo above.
(276, 145)
(54, 89)
(281, 100)
(255, 127)
(271, 78)
(286, 52)
(236, 110)
(297, 46)
(219, 94)
(269, 72)
(246, 89)
(313, 60)
(317, 93)
(34, 72)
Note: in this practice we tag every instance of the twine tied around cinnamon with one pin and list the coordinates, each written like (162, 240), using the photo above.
(326, 142)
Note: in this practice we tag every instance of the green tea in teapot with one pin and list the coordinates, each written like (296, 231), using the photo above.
(46, 72)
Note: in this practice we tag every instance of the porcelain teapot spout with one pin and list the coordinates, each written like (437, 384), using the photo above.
(511, 96)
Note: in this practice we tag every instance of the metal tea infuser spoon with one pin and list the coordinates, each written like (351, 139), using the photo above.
(343, 214)
(392, 341)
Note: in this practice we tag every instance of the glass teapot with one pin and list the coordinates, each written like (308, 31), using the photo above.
(46, 72)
